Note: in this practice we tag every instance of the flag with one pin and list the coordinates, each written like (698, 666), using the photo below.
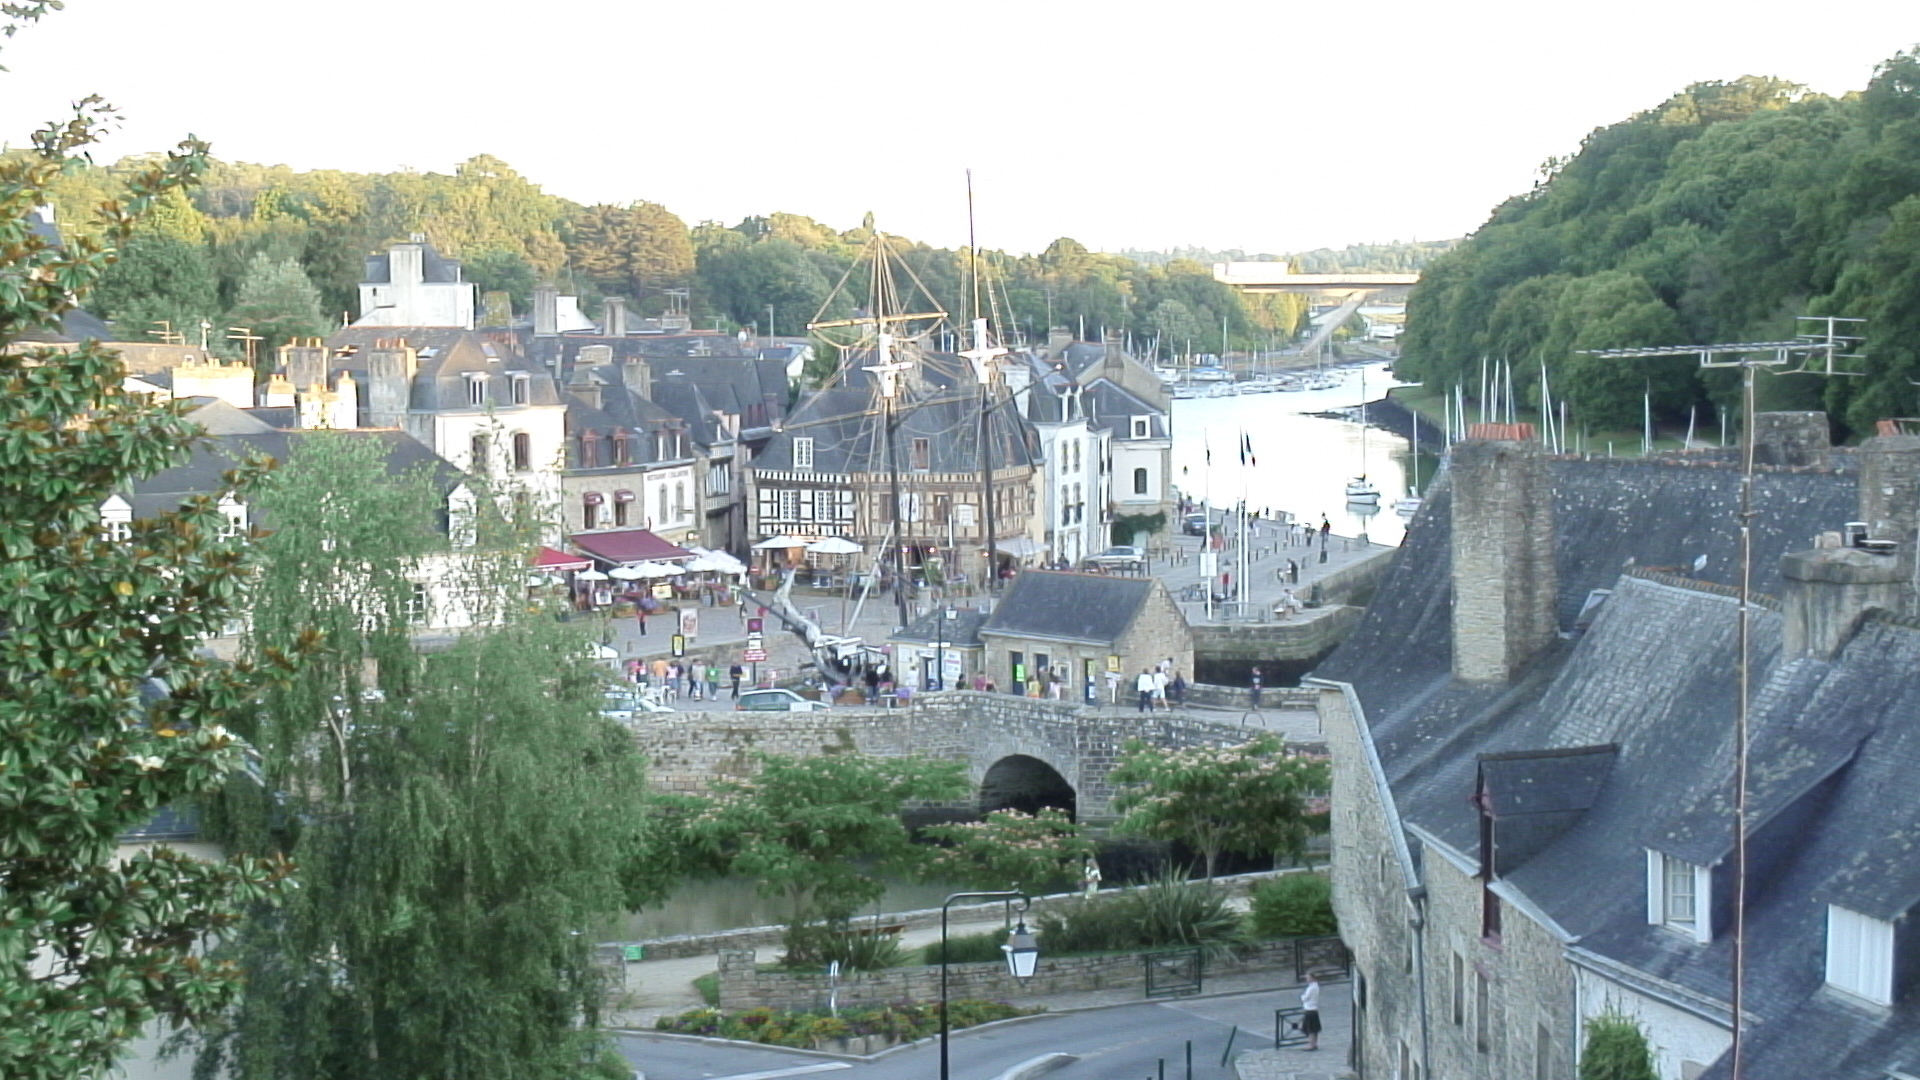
(1246, 449)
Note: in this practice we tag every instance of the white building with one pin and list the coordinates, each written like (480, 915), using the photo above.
(413, 285)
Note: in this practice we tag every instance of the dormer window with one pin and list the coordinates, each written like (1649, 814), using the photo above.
(622, 448)
(803, 454)
(1142, 427)
(522, 389)
(1860, 955)
(1677, 893)
(476, 388)
(589, 450)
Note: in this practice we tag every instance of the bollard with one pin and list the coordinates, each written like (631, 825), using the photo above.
(1228, 1052)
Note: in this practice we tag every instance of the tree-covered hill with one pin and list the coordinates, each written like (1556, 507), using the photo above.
(1719, 215)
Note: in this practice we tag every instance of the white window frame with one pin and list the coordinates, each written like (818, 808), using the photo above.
(1142, 427)
(522, 389)
(788, 500)
(1860, 955)
(803, 453)
(1669, 879)
(476, 388)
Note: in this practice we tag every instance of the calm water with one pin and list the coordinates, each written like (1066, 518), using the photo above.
(1301, 463)
(701, 907)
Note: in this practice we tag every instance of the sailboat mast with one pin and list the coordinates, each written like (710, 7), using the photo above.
(990, 576)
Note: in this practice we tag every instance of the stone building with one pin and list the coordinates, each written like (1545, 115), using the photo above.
(1078, 627)
(1533, 731)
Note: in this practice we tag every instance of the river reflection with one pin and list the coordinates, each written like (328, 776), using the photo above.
(1299, 463)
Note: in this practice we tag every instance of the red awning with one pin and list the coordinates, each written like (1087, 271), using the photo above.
(548, 559)
(629, 545)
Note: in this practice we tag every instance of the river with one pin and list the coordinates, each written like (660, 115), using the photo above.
(1299, 463)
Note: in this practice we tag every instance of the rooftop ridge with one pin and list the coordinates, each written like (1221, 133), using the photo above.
(1681, 581)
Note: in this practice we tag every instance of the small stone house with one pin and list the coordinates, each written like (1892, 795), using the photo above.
(1079, 627)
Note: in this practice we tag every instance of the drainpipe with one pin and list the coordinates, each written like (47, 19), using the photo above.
(1418, 923)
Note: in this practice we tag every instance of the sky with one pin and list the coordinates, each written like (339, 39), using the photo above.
(1266, 125)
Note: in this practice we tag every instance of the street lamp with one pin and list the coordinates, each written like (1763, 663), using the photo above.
(1022, 952)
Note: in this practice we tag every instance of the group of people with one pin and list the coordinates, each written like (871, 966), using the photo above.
(1160, 687)
(674, 679)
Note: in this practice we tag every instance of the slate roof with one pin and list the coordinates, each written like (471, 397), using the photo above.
(960, 632)
(1111, 408)
(434, 267)
(1834, 746)
(845, 426)
(1068, 605)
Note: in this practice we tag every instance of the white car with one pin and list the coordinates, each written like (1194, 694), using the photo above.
(630, 705)
(776, 700)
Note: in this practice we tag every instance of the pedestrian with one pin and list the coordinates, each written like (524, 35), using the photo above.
(1310, 1011)
(713, 682)
(636, 671)
(1160, 689)
(1255, 682)
(659, 666)
(992, 687)
(734, 675)
(872, 680)
(640, 618)
(1177, 689)
(1144, 686)
(1326, 531)
(1293, 572)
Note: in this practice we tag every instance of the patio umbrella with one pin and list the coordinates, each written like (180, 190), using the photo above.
(781, 541)
(626, 573)
(726, 563)
(835, 545)
(657, 570)
(701, 564)
(590, 575)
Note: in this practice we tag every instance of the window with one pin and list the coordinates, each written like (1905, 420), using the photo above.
(1542, 1053)
(1482, 1024)
(622, 448)
(478, 451)
(965, 515)
(922, 455)
(1073, 457)
(1677, 894)
(620, 514)
(1142, 427)
(719, 478)
(1459, 989)
(417, 603)
(589, 451)
(661, 517)
(117, 530)
(476, 388)
(1139, 481)
(522, 389)
(680, 506)
(522, 451)
(590, 512)
(789, 506)
(803, 453)
(1860, 955)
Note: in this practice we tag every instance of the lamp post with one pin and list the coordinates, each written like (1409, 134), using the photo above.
(1023, 953)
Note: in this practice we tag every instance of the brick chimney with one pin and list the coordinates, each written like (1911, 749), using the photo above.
(546, 311)
(1505, 583)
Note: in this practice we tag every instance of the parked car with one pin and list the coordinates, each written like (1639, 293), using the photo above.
(1119, 556)
(630, 705)
(775, 700)
(1194, 524)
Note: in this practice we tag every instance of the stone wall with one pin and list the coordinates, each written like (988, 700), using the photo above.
(743, 986)
(687, 751)
(1295, 639)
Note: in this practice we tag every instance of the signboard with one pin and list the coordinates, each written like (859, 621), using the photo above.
(634, 952)
(679, 645)
(1209, 565)
(752, 656)
(690, 622)
(1113, 662)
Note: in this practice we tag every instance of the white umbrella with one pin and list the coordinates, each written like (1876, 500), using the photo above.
(626, 573)
(654, 570)
(782, 541)
(727, 564)
(835, 545)
(701, 564)
(590, 575)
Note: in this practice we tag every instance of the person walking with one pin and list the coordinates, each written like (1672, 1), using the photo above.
(1310, 1011)
(734, 675)
(713, 682)
(1254, 682)
(1160, 689)
(1177, 689)
(1144, 687)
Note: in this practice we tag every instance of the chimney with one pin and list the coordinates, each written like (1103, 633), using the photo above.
(546, 311)
(1058, 338)
(1889, 486)
(344, 411)
(305, 365)
(1791, 438)
(1830, 590)
(390, 368)
(279, 392)
(1504, 579)
(613, 317)
(406, 264)
(637, 374)
(584, 385)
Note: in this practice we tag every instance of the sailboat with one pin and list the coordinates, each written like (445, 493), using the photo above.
(1360, 489)
(1406, 504)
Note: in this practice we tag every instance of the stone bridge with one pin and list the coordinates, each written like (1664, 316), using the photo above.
(1019, 753)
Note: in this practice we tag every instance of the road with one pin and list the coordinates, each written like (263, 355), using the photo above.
(1137, 1040)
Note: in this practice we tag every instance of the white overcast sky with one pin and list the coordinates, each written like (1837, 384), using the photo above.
(1269, 126)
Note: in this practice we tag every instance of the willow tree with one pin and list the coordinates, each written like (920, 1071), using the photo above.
(107, 712)
(461, 813)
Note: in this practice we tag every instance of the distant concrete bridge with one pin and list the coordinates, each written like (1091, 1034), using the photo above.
(1270, 277)
(1019, 753)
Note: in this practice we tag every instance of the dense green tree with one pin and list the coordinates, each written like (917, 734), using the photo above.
(277, 302)
(819, 831)
(635, 250)
(94, 947)
(461, 815)
(158, 278)
(1010, 847)
(1251, 798)
(1616, 1050)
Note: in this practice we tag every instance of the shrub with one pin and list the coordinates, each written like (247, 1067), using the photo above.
(1616, 1050)
(904, 1021)
(1294, 905)
(967, 949)
(1167, 913)
(817, 945)
(708, 986)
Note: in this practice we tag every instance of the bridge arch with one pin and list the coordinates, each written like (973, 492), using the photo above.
(1026, 783)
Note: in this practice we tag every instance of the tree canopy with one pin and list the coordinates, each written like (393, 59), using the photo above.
(1251, 798)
